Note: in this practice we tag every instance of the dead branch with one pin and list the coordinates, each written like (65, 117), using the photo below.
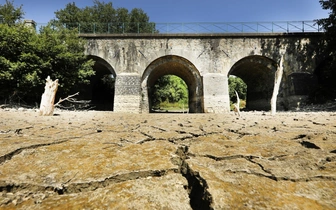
(69, 98)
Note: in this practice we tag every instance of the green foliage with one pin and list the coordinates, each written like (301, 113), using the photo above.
(237, 84)
(9, 14)
(103, 18)
(27, 58)
(327, 70)
(329, 24)
(170, 89)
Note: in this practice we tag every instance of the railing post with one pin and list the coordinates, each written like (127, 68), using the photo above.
(123, 27)
(138, 25)
(79, 30)
(302, 26)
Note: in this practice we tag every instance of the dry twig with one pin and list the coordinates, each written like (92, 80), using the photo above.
(65, 99)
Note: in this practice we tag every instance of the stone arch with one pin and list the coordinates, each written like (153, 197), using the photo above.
(100, 91)
(258, 73)
(174, 65)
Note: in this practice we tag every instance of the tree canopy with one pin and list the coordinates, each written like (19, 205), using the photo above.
(327, 71)
(104, 18)
(169, 89)
(237, 84)
(9, 14)
(27, 57)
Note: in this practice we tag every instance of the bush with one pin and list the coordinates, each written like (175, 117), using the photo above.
(237, 84)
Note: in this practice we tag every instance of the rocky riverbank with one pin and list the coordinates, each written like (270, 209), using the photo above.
(106, 160)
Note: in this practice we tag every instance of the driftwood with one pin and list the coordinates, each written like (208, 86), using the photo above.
(48, 97)
(237, 105)
(66, 99)
(277, 81)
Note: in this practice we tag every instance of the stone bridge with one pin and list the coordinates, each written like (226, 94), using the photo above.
(204, 62)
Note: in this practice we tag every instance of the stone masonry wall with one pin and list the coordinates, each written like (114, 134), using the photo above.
(211, 54)
(127, 93)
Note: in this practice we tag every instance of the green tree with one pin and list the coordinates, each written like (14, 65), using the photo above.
(15, 45)
(27, 58)
(103, 18)
(10, 14)
(169, 89)
(70, 16)
(327, 70)
(122, 20)
(237, 84)
(64, 50)
(139, 22)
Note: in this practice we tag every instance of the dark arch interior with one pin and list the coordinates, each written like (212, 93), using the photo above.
(100, 91)
(258, 74)
(174, 65)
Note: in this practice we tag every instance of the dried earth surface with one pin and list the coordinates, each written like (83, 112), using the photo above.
(106, 160)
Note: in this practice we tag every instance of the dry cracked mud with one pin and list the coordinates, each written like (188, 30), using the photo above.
(106, 160)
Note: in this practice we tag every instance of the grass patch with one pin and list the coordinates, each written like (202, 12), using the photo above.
(242, 104)
(172, 106)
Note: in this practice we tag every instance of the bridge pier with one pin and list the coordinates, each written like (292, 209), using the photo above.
(216, 93)
(127, 93)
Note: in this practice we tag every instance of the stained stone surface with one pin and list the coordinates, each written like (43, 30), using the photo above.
(106, 160)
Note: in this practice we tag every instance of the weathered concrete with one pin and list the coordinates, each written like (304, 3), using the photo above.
(204, 62)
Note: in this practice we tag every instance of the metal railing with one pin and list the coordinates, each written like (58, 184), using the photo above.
(195, 28)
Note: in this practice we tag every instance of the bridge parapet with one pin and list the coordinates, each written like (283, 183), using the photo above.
(195, 28)
(199, 36)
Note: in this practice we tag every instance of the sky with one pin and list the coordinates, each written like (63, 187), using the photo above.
(191, 11)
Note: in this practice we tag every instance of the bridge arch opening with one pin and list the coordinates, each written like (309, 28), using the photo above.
(170, 94)
(100, 91)
(178, 66)
(258, 74)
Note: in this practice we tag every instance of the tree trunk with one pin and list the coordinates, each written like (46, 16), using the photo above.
(48, 97)
(277, 81)
(237, 105)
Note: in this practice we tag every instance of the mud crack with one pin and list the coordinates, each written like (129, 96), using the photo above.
(10, 155)
(63, 188)
(272, 176)
(200, 197)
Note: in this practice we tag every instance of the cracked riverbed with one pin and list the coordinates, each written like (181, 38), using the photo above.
(106, 160)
